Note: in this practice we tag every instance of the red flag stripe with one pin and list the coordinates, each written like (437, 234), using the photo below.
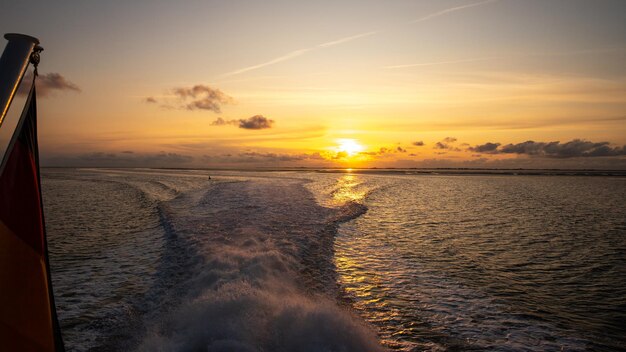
(20, 209)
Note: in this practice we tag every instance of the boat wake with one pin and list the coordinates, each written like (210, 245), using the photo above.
(262, 274)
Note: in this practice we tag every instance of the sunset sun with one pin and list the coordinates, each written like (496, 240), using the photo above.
(349, 146)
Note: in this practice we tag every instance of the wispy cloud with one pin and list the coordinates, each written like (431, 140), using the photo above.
(383, 151)
(512, 56)
(222, 122)
(441, 62)
(256, 122)
(198, 97)
(48, 83)
(124, 158)
(452, 9)
(203, 97)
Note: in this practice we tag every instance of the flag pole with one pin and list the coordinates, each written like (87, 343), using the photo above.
(13, 64)
(28, 320)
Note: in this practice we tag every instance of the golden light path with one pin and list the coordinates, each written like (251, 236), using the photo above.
(348, 190)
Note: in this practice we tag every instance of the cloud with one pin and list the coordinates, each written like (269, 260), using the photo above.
(490, 58)
(126, 158)
(260, 157)
(256, 122)
(440, 62)
(198, 97)
(418, 144)
(384, 151)
(573, 149)
(518, 163)
(446, 144)
(221, 122)
(485, 148)
(381, 151)
(256, 156)
(201, 97)
(160, 158)
(47, 84)
(340, 155)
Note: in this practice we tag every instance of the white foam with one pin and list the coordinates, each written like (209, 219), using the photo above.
(248, 292)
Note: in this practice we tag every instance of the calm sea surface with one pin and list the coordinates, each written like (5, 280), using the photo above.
(304, 261)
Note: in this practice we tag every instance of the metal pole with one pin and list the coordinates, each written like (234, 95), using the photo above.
(13, 64)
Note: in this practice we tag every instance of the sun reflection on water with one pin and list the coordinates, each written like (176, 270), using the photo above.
(348, 190)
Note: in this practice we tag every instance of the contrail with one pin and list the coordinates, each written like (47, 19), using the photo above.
(452, 9)
(300, 52)
(285, 57)
(347, 39)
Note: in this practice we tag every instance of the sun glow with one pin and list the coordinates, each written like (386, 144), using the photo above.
(349, 146)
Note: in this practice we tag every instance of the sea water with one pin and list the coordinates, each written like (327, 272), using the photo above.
(315, 261)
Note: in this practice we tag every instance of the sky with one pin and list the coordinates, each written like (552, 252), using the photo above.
(367, 83)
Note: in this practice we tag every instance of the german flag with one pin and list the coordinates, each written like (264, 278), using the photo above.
(28, 319)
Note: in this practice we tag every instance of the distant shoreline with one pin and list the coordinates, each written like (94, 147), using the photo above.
(395, 171)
